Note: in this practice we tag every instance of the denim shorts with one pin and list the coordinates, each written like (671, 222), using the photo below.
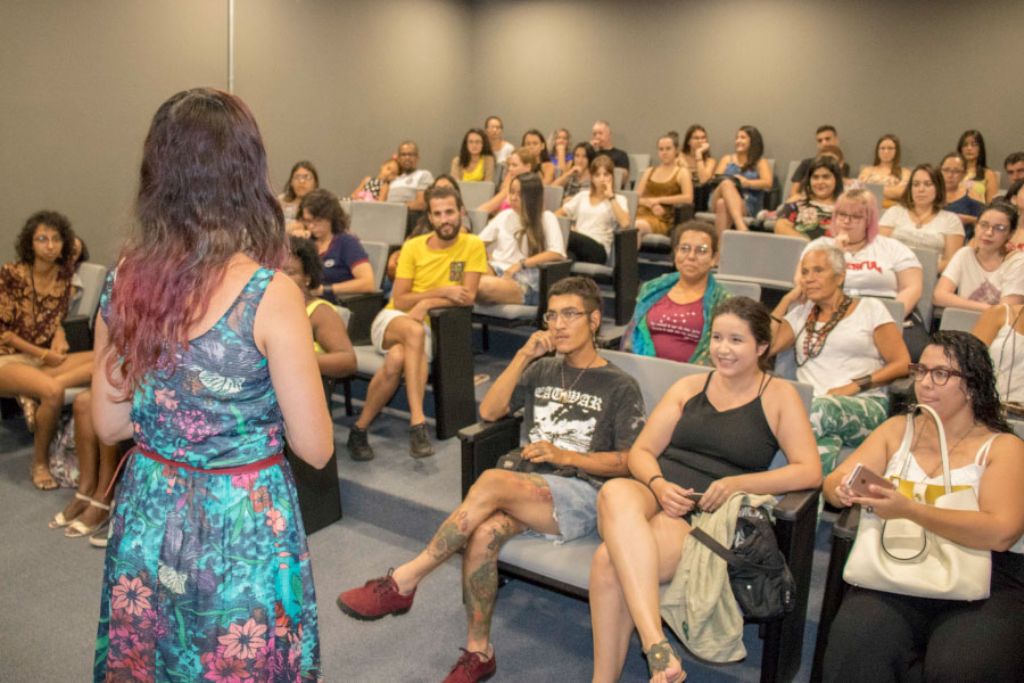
(528, 280)
(575, 503)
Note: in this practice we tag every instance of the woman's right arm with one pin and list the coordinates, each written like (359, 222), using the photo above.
(454, 170)
(896, 190)
(359, 187)
(282, 330)
(111, 414)
(494, 203)
(945, 295)
(873, 453)
(989, 323)
(909, 284)
(782, 332)
(705, 169)
(338, 358)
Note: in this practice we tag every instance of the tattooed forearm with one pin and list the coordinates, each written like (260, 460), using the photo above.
(450, 537)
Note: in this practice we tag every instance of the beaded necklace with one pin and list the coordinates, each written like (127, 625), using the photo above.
(814, 339)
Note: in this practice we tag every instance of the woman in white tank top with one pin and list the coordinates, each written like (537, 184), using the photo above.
(1001, 328)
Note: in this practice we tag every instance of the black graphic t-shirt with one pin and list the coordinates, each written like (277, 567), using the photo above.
(602, 411)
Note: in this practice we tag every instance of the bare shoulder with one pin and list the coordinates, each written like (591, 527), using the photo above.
(1007, 445)
(687, 387)
(282, 303)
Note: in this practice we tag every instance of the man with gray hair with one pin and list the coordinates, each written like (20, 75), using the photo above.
(601, 141)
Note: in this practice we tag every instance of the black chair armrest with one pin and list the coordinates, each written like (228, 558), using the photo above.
(484, 442)
(365, 307)
(452, 369)
(846, 526)
(796, 503)
(550, 273)
(626, 274)
(78, 333)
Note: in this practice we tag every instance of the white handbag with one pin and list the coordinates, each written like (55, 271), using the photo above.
(900, 556)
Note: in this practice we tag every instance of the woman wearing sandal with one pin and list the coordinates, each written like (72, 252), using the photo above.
(724, 428)
(35, 365)
(87, 512)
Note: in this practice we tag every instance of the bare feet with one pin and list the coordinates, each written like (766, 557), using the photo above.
(41, 478)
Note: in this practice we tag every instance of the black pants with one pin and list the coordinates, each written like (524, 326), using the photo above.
(880, 637)
(586, 249)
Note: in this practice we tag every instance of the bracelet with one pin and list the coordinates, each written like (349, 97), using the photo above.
(651, 480)
(863, 383)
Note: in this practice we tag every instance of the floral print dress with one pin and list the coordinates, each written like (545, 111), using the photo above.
(207, 575)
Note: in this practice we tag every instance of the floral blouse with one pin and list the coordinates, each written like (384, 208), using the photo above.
(32, 316)
(808, 218)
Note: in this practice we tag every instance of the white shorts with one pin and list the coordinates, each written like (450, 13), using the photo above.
(380, 325)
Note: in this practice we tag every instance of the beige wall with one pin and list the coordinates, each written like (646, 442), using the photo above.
(923, 70)
(342, 82)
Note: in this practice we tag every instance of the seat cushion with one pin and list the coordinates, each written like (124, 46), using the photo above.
(568, 563)
(368, 361)
(592, 269)
(506, 311)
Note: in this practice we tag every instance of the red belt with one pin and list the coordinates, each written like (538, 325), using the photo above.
(258, 465)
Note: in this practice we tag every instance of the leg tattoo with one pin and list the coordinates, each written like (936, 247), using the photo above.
(451, 537)
(481, 584)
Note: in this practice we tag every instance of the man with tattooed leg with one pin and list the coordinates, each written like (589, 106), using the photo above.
(581, 412)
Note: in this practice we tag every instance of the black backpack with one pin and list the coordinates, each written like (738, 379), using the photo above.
(760, 578)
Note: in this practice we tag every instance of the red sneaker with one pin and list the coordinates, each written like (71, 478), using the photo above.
(471, 668)
(377, 598)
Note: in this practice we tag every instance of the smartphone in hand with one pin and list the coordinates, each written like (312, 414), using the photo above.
(861, 478)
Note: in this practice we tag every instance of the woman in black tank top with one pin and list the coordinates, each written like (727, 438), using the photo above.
(717, 435)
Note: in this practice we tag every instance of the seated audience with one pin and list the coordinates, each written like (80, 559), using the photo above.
(334, 354)
(520, 161)
(376, 189)
(475, 161)
(586, 428)
(87, 512)
(748, 178)
(696, 157)
(886, 171)
(500, 147)
(1014, 167)
(1001, 329)
(347, 268)
(534, 142)
(601, 141)
(301, 181)
(596, 214)
(810, 216)
(37, 366)
(848, 349)
(672, 318)
(714, 433)
(411, 183)
(888, 636)
(826, 138)
(980, 180)
(919, 219)
(958, 199)
(561, 150)
(661, 189)
(518, 240)
(986, 273)
(437, 270)
(577, 175)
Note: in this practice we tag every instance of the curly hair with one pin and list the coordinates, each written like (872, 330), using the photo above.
(977, 375)
(324, 204)
(305, 251)
(53, 219)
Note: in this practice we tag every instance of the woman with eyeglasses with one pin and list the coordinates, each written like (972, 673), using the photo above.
(987, 272)
(919, 219)
(301, 181)
(847, 348)
(883, 636)
(35, 363)
(966, 207)
(347, 268)
(672, 318)
(712, 435)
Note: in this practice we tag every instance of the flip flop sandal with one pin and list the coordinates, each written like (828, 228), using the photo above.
(59, 521)
(77, 529)
(658, 658)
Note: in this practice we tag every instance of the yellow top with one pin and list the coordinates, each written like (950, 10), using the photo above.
(432, 268)
(310, 307)
(477, 173)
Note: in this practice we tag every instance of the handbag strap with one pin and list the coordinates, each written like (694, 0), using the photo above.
(943, 449)
(730, 557)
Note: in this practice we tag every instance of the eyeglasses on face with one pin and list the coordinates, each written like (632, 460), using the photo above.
(303, 177)
(700, 249)
(940, 375)
(994, 227)
(567, 314)
(48, 239)
(851, 217)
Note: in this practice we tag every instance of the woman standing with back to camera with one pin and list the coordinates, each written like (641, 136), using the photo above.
(205, 357)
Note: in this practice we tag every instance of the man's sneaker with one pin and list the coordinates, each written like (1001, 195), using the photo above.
(419, 441)
(377, 598)
(359, 444)
(471, 668)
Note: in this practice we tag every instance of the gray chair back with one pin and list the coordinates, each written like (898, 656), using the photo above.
(632, 201)
(895, 309)
(750, 290)
(377, 252)
(788, 180)
(962, 319)
(638, 163)
(878, 190)
(620, 177)
(379, 221)
(552, 197)
(93, 277)
(566, 225)
(765, 258)
(475, 193)
(477, 219)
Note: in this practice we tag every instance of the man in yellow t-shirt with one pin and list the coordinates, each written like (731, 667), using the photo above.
(436, 270)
